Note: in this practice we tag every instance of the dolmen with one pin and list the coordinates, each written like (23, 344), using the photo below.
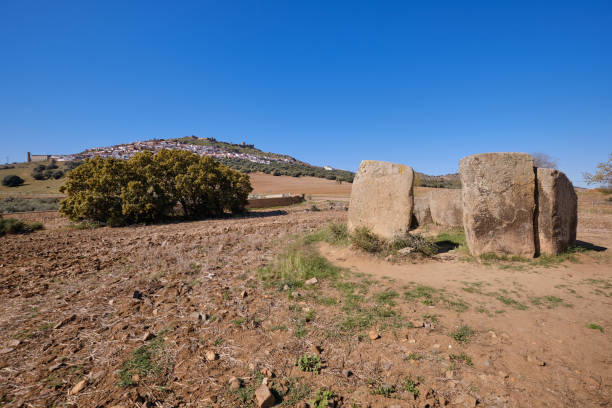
(512, 208)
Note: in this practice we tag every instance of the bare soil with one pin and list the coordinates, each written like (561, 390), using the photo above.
(130, 314)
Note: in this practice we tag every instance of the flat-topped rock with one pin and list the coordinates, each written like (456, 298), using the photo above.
(382, 198)
(557, 211)
(445, 207)
(498, 195)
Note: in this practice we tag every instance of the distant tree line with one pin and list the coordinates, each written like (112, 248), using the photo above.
(150, 187)
(288, 169)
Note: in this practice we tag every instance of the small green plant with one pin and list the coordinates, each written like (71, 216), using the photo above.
(364, 239)
(384, 390)
(411, 386)
(322, 398)
(462, 357)
(595, 327)
(146, 361)
(311, 364)
(386, 297)
(414, 356)
(15, 226)
(338, 233)
(239, 322)
(463, 334)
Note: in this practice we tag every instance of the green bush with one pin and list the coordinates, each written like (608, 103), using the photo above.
(149, 187)
(15, 226)
(12, 180)
(364, 239)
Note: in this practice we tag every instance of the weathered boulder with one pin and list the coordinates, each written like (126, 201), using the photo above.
(382, 198)
(498, 195)
(421, 211)
(445, 207)
(557, 212)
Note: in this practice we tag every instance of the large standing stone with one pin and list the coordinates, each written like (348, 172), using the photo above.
(421, 210)
(382, 198)
(557, 211)
(445, 207)
(498, 194)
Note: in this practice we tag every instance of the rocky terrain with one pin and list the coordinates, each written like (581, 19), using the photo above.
(194, 315)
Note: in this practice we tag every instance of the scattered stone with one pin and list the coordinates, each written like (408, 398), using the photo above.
(295, 295)
(264, 397)
(450, 374)
(147, 336)
(137, 295)
(503, 374)
(302, 404)
(387, 366)
(311, 281)
(498, 194)
(382, 198)
(234, 383)
(411, 340)
(56, 366)
(536, 360)
(65, 321)
(441, 400)
(465, 401)
(373, 335)
(417, 323)
(211, 355)
(196, 316)
(6, 350)
(286, 287)
(405, 251)
(557, 212)
(316, 349)
(267, 372)
(244, 294)
(78, 387)
(347, 373)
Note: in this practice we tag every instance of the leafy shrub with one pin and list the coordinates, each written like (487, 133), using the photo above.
(309, 363)
(148, 187)
(42, 172)
(12, 180)
(52, 165)
(73, 164)
(15, 226)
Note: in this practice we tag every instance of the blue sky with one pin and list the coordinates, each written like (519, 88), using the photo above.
(329, 82)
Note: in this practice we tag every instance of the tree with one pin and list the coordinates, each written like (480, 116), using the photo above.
(149, 187)
(603, 176)
(12, 180)
(544, 160)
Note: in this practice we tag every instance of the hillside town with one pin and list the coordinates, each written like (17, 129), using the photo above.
(125, 151)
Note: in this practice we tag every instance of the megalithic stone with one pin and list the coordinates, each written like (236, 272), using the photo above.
(498, 195)
(445, 206)
(557, 216)
(382, 198)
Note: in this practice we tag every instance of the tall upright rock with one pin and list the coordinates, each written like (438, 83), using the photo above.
(498, 195)
(445, 206)
(421, 210)
(557, 216)
(382, 198)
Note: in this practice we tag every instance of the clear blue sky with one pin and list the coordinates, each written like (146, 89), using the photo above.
(329, 82)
